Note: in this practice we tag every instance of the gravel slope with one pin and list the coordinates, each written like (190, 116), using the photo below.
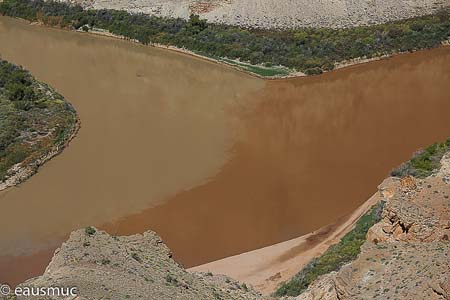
(280, 13)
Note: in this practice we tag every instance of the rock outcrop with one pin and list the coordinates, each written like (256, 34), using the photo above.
(407, 254)
(102, 266)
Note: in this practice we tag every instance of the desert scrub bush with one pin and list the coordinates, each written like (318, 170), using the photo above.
(33, 118)
(171, 280)
(90, 230)
(136, 257)
(423, 162)
(245, 287)
(335, 257)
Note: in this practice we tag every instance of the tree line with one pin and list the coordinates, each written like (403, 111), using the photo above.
(311, 50)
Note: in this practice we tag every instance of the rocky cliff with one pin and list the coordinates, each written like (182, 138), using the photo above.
(102, 266)
(407, 254)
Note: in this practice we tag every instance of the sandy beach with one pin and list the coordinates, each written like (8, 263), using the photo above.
(266, 268)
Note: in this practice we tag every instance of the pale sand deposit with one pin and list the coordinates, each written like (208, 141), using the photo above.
(266, 268)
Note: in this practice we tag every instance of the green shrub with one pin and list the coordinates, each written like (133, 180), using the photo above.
(423, 162)
(172, 280)
(26, 108)
(90, 230)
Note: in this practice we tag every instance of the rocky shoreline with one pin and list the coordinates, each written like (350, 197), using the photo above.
(406, 254)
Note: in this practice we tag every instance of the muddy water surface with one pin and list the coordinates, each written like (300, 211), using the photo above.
(213, 160)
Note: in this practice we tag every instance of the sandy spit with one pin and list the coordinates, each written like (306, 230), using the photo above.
(266, 268)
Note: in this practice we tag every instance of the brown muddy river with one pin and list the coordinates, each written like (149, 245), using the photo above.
(215, 161)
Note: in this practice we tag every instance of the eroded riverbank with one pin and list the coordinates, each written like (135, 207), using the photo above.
(215, 161)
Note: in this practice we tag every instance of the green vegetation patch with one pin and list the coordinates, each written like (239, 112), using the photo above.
(33, 118)
(308, 50)
(335, 257)
(90, 231)
(423, 162)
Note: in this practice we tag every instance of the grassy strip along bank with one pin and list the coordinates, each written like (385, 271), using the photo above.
(270, 52)
(422, 164)
(35, 123)
(335, 257)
